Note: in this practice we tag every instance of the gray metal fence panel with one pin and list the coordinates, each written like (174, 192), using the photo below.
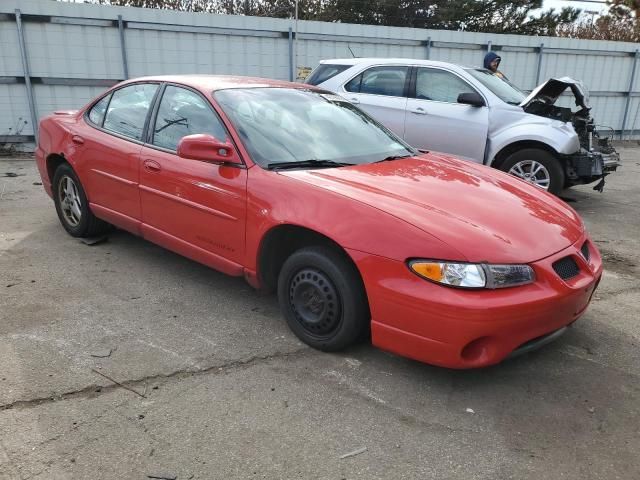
(75, 51)
(13, 107)
(58, 50)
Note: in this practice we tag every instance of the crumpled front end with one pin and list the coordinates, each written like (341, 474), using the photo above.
(596, 157)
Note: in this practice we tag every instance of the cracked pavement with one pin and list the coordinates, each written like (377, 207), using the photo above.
(123, 361)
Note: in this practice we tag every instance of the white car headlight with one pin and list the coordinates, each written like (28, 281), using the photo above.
(471, 275)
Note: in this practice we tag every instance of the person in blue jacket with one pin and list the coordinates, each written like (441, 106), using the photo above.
(491, 62)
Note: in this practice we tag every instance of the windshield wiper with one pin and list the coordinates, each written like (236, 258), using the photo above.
(393, 157)
(306, 164)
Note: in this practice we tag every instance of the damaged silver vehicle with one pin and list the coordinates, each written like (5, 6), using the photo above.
(473, 114)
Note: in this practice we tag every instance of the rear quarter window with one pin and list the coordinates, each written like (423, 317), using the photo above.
(96, 114)
(324, 72)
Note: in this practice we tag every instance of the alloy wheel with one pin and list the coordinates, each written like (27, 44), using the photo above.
(70, 201)
(532, 172)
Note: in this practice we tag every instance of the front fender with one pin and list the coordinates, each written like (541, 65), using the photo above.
(276, 200)
(559, 136)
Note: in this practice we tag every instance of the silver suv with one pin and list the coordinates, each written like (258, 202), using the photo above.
(473, 114)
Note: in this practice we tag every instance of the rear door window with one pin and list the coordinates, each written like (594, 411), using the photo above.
(128, 109)
(388, 80)
(324, 72)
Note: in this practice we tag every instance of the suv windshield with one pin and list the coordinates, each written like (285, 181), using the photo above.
(287, 125)
(501, 88)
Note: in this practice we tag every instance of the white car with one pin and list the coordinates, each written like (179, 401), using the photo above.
(473, 114)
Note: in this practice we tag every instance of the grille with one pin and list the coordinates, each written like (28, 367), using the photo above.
(585, 251)
(566, 268)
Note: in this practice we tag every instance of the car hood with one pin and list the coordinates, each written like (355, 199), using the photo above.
(486, 215)
(549, 91)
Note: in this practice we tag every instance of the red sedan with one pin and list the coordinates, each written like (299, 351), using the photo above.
(297, 190)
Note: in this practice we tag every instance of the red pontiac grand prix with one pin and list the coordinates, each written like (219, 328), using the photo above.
(299, 191)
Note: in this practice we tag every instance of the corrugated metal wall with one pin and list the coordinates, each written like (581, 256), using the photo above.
(74, 51)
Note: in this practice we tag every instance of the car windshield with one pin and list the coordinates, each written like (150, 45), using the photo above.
(501, 88)
(289, 126)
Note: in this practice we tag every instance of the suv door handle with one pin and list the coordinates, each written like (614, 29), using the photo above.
(151, 165)
(354, 100)
(419, 111)
(77, 139)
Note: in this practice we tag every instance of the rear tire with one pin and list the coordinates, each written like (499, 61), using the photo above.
(537, 167)
(72, 205)
(323, 299)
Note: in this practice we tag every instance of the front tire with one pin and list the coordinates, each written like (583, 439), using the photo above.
(323, 299)
(537, 167)
(72, 205)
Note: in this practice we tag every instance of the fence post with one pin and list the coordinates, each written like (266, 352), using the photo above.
(27, 74)
(428, 48)
(488, 46)
(628, 101)
(539, 67)
(290, 54)
(125, 66)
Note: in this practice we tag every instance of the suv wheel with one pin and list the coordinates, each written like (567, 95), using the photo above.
(537, 167)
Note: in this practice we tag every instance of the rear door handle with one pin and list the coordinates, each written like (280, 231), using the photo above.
(354, 100)
(151, 165)
(77, 139)
(419, 111)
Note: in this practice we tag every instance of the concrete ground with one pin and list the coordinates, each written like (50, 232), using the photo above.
(125, 361)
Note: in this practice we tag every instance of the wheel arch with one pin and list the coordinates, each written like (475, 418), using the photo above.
(514, 147)
(280, 241)
(54, 160)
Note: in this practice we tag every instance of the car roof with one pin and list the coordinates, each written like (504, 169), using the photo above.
(391, 61)
(210, 83)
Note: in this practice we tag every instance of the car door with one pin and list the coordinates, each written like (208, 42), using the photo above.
(436, 121)
(188, 205)
(110, 147)
(381, 92)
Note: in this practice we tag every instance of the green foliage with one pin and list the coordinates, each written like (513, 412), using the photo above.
(496, 16)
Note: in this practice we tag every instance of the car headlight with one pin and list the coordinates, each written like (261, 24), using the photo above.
(472, 275)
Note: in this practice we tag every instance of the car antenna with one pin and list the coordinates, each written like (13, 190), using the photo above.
(352, 54)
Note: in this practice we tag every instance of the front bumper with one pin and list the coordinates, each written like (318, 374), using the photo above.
(610, 161)
(585, 167)
(459, 328)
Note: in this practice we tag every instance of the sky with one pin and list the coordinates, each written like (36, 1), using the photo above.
(558, 4)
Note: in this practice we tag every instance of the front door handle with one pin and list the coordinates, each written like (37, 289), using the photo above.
(354, 100)
(151, 165)
(419, 111)
(77, 139)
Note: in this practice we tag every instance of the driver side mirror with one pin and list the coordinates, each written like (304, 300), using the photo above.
(207, 148)
(471, 98)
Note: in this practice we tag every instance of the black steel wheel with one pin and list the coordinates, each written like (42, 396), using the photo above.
(323, 299)
(315, 302)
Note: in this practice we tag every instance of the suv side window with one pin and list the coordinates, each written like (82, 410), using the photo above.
(387, 80)
(325, 72)
(128, 109)
(96, 114)
(440, 85)
(181, 113)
